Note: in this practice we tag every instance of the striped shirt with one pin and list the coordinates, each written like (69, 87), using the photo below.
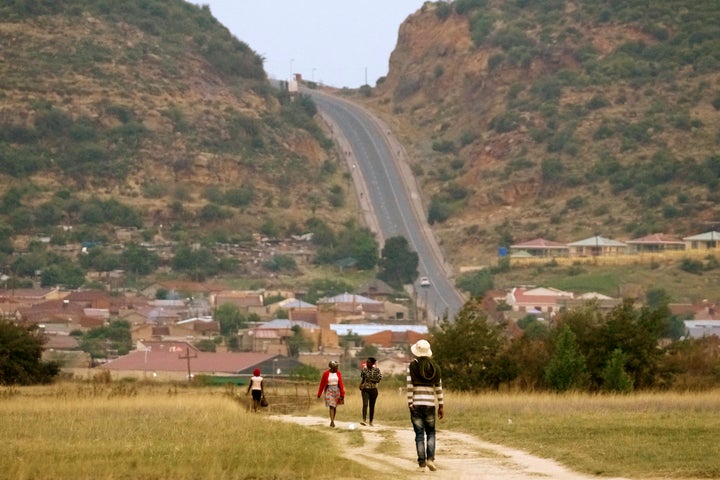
(422, 395)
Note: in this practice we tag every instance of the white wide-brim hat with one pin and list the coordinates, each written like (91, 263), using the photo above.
(421, 349)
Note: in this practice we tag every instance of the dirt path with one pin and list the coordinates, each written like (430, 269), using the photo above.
(389, 451)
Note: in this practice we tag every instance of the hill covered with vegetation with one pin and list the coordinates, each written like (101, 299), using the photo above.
(149, 115)
(559, 119)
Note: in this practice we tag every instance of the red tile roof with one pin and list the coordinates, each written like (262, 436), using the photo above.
(169, 360)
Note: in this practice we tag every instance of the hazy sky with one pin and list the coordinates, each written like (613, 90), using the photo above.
(341, 43)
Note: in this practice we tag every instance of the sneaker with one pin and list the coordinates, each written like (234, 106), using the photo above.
(420, 468)
(371, 424)
(363, 423)
(431, 465)
(332, 424)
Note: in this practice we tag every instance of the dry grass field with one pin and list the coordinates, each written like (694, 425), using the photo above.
(162, 431)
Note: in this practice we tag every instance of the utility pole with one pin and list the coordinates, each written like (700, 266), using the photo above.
(187, 357)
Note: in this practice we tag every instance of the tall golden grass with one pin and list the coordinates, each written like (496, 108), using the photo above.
(120, 431)
(81, 431)
(643, 435)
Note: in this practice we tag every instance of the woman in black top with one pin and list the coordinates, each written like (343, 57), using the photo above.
(370, 376)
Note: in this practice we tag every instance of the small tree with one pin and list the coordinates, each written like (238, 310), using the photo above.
(470, 350)
(298, 342)
(398, 264)
(230, 319)
(476, 283)
(615, 378)
(20, 356)
(566, 369)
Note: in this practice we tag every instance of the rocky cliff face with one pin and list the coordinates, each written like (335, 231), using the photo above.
(529, 119)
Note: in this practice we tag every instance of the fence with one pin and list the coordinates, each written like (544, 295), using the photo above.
(284, 397)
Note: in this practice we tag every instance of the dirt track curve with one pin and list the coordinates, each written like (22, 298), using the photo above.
(459, 456)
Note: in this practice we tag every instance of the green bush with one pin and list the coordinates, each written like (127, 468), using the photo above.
(505, 122)
(495, 61)
(22, 161)
(465, 6)
(510, 37)
(454, 191)
(438, 211)
(551, 170)
(481, 26)
(597, 101)
(547, 88)
(443, 146)
(443, 11)
(518, 164)
(212, 212)
(614, 376)
(240, 196)
(476, 283)
(689, 265)
(280, 263)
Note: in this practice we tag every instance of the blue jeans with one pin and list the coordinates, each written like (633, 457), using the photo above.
(423, 422)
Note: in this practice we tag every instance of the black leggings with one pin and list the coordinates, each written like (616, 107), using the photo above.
(369, 396)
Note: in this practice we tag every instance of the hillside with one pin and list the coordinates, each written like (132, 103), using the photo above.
(150, 114)
(558, 119)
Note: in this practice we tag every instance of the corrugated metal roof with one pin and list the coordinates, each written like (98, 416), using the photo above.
(597, 241)
(348, 298)
(705, 237)
(365, 329)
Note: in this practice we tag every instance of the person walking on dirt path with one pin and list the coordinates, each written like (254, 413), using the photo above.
(424, 387)
(257, 387)
(331, 384)
(370, 376)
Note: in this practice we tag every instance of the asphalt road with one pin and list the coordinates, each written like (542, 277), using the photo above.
(389, 196)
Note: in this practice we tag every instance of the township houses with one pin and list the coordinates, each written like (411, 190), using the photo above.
(80, 310)
(376, 289)
(702, 319)
(189, 329)
(14, 299)
(539, 300)
(245, 301)
(273, 336)
(354, 308)
(546, 302)
(383, 335)
(176, 360)
(656, 242)
(601, 246)
(295, 309)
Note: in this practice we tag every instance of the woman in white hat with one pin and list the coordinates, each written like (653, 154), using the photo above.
(424, 387)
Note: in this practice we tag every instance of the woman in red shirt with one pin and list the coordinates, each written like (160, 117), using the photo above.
(331, 384)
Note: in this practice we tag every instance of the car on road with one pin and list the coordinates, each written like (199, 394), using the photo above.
(424, 282)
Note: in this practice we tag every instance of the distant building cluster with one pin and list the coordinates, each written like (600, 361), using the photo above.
(600, 246)
(166, 333)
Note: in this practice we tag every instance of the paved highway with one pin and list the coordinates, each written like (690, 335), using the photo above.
(388, 193)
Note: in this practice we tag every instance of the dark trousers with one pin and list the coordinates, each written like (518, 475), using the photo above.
(423, 422)
(369, 397)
